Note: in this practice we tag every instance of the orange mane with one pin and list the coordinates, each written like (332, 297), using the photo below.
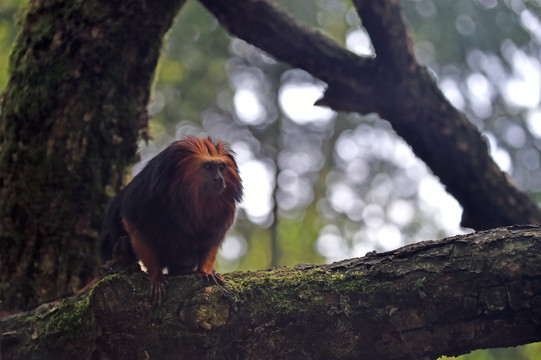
(194, 152)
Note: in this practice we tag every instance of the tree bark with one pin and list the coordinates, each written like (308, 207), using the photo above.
(396, 87)
(424, 300)
(71, 114)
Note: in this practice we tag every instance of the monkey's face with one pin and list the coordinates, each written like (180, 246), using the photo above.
(213, 176)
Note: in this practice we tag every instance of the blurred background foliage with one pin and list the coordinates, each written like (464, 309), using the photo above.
(322, 186)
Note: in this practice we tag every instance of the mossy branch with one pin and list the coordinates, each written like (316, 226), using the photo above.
(421, 301)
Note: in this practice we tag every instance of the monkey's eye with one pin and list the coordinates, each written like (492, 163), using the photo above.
(207, 166)
(221, 167)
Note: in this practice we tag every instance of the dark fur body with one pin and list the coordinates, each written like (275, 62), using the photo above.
(173, 215)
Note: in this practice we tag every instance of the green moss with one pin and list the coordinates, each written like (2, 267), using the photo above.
(295, 292)
(71, 321)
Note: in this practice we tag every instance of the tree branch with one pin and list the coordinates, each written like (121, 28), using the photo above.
(439, 134)
(421, 301)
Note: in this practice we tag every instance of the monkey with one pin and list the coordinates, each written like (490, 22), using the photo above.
(175, 212)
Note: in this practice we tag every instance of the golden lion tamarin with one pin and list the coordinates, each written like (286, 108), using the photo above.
(176, 211)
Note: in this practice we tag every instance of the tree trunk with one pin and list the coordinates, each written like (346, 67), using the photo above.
(80, 76)
(424, 300)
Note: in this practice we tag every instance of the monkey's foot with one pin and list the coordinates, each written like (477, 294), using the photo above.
(157, 290)
(212, 277)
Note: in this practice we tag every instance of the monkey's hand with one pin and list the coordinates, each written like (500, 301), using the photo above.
(157, 289)
(212, 277)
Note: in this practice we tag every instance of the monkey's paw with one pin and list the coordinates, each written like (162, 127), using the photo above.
(157, 291)
(212, 277)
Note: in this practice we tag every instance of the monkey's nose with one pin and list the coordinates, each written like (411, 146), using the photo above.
(219, 184)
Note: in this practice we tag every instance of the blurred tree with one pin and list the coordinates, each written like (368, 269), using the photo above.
(410, 204)
(8, 8)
